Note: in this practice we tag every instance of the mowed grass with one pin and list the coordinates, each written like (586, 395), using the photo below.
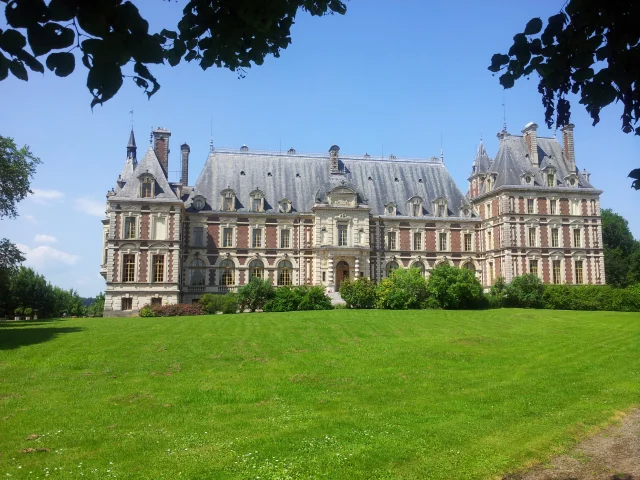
(339, 394)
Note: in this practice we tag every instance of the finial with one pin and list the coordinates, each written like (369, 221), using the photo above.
(211, 145)
(151, 136)
(131, 113)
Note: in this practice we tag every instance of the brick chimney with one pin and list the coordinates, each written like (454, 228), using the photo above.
(567, 147)
(184, 155)
(530, 133)
(161, 147)
(333, 154)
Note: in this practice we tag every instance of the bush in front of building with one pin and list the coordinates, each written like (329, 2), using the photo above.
(291, 299)
(255, 294)
(524, 291)
(146, 312)
(404, 289)
(591, 297)
(212, 303)
(176, 310)
(315, 299)
(454, 288)
(229, 303)
(359, 293)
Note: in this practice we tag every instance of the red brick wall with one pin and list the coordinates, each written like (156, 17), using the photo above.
(568, 274)
(272, 236)
(142, 271)
(430, 240)
(494, 207)
(520, 205)
(566, 235)
(588, 274)
(172, 226)
(116, 266)
(546, 270)
(542, 206)
(145, 228)
(544, 236)
(405, 239)
(564, 206)
(243, 236)
(455, 241)
(116, 234)
(170, 265)
(585, 207)
(213, 233)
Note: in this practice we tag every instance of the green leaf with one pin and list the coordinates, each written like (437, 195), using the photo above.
(18, 70)
(506, 80)
(169, 34)
(62, 10)
(4, 67)
(62, 63)
(497, 61)
(103, 81)
(583, 74)
(23, 14)
(30, 61)
(533, 26)
(635, 174)
(12, 41)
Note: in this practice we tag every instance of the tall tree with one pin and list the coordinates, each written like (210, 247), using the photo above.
(591, 48)
(17, 167)
(10, 259)
(110, 36)
(621, 250)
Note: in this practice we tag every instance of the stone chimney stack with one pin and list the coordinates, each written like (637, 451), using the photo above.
(333, 154)
(184, 155)
(567, 147)
(161, 147)
(530, 133)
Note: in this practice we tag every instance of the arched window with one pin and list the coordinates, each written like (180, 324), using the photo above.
(469, 266)
(419, 266)
(227, 273)
(391, 266)
(285, 270)
(197, 270)
(256, 269)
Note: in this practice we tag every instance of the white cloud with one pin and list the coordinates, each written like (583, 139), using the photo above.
(46, 256)
(43, 238)
(90, 206)
(29, 218)
(46, 196)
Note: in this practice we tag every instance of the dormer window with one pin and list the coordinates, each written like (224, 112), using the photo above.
(228, 200)
(257, 200)
(551, 179)
(571, 180)
(441, 209)
(488, 184)
(415, 206)
(284, 205)
(147, 186)
(527, 178)
(390, 208)
(199, 202)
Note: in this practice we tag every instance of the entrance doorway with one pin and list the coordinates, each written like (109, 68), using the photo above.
(342, 272)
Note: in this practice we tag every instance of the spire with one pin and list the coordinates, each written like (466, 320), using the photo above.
(131, 146)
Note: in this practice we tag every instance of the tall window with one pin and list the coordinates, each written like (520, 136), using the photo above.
(467, 242)
(442, 240)
(156, 301)
(550, 179)
(227, 204)
(579, 272)
(198, 236)
(533, 267)
(128, 268)
(391, 266)
(530, 205)
(417, 209)
(488, 210)
(491, 272)
(129, 227)
(593, 207)
(285, 270)
(532, 237)
(557, 277)
(417, 241)
(575, 207)
(197, 269)
(489, 240)
(553, 206)
(158, 268)
(227, 237)
(391, 240)
(441, 210)
(257, 204)
(419, 266)
(555, 238)
(227, 273)
(127, 303)
(147, 187)
(285, 238)
(512, 205)
(256, 240)
(256, 269)
(160, 228)
(577, 238)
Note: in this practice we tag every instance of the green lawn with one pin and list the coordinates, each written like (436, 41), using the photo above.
(339, 394)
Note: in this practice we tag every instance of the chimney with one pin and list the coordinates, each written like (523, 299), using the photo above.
(161, 147)
(567, 147)
(530, 133)
(333, 154)
(184, 155)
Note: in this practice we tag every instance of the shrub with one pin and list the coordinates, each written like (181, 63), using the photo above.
(455, 288)
(211, 303)
(146, 311)
(315, 299)
(497, 293)
(229, 303)
(591, 297)
(255, 294)
(28, 311)
(405, 288)
(524, 291)
(360, 293)
(19, 311)
(177, 310)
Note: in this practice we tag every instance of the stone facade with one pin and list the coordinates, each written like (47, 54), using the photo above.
(301, 219)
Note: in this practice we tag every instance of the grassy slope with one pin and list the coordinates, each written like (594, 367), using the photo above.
(339, 394)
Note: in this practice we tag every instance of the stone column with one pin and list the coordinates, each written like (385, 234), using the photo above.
(356, 272)
(331, 272)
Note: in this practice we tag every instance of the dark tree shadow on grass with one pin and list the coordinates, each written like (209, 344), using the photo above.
(20, 334)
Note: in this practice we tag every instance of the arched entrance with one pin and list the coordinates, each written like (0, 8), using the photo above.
(342, 272)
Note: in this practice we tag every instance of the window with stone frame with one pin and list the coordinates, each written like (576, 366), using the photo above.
(146, 187)
(343, 238)
(532, 236)
(256, 238)
(256, 269)
(530, 205)
(512, 205)
(579, 272)
(575, 207)
(553, 206)
(491, 272)
(285, 238)
(130, 230)
(127, 303)
(197, 272)
(129, 268)
(442, 210)
(555, 237)
(156, 301)
(227, 237)
(416, 209)
(417, 241)
(157, 274)
(577, 238)
(551, 180)
(285, 273)
(391, 266)
(159, 228)
(391, 240)
(442, 241)
(488, 210)
(594, 208)
(227, 271)
(556, 272)
(489, 239)
(468, 242)
(228, 204)
(257, 201)
(533, 267)
(256, 204)
(198, 237)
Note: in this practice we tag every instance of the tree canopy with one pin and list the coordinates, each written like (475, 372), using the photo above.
(114, 42)
(17, 167)
(591, 48)
(621, 250)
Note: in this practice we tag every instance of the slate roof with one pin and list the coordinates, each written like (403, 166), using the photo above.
(127, 172)
(482, 162)
(304, 178)
(512, 161)
(132, 140)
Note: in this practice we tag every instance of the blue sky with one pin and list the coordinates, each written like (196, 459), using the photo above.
(397, 76)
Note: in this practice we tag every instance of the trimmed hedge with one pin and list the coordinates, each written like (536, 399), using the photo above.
(176, 310)
(290, 299)
(591, 297)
